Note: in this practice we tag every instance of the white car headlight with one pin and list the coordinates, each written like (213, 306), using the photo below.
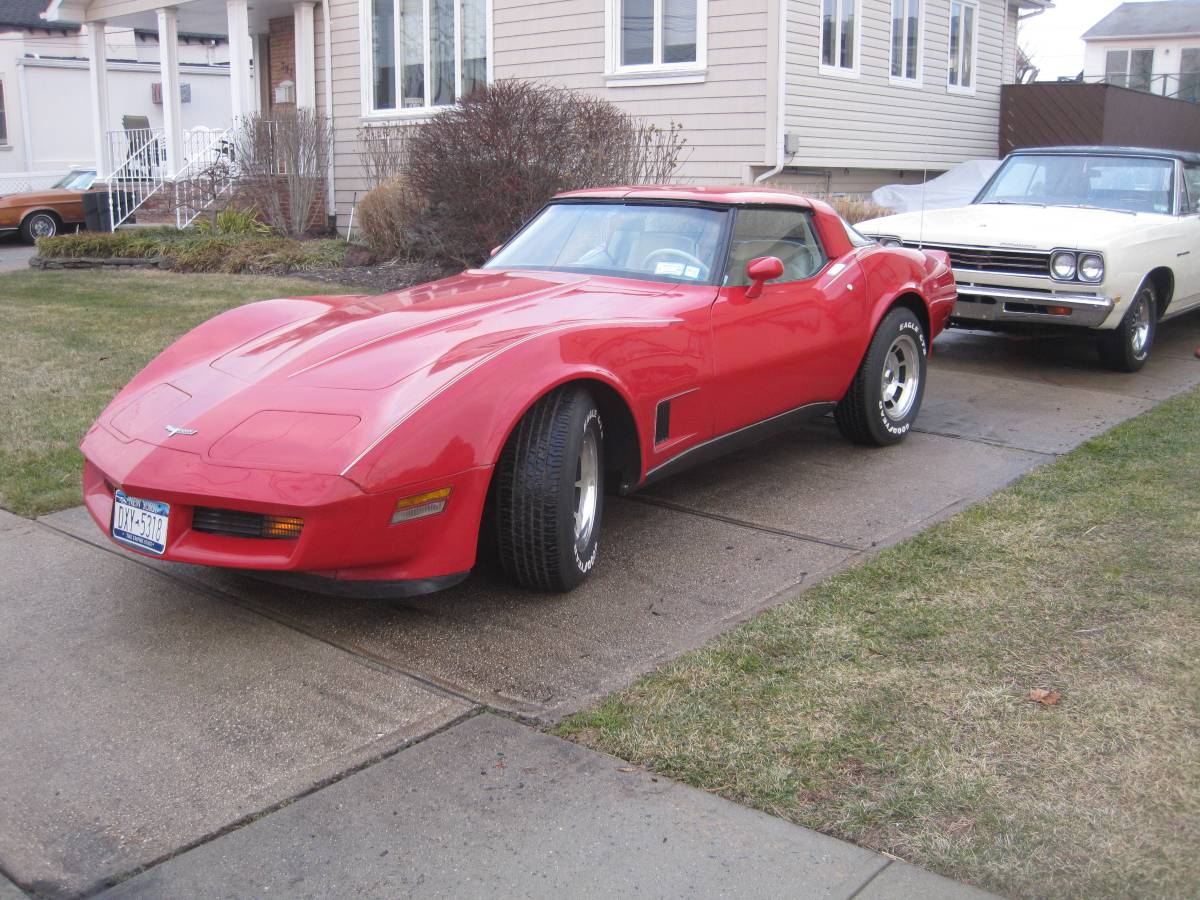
(1091, 268)
(1062, 265)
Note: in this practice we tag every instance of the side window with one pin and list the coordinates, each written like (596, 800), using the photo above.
(1191, 180)
(785, 233)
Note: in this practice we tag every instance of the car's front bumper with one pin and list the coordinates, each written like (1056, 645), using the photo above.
(346, 535)
(986, 303)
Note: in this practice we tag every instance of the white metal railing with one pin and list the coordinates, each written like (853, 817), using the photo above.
(139, 176)
(207, 172)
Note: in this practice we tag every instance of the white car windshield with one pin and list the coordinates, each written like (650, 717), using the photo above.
(1123, 183)
(649, 241)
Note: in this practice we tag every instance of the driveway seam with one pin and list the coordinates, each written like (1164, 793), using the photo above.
(862, 887)
(249, 818)
(369, 659)
(1000, 445)
(742, 523)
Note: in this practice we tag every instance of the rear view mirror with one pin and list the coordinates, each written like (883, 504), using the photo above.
(765, 268)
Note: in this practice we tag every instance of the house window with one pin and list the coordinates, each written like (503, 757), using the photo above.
(1133, 69)
(964, 22)
(906, 40)
(426, 53)
(839, 36)
(656, 36)
(1189, 75)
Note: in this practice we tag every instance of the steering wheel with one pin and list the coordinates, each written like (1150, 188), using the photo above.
(681, 254)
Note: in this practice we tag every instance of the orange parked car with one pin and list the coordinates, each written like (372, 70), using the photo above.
(47, 212)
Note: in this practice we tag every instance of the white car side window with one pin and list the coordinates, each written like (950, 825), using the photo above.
(1191, 182)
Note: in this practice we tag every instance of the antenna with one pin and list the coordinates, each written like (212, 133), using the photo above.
(921, 231)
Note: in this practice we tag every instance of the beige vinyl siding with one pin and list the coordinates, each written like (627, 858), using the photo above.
(347, 103)
(725, 118)
(869, 123)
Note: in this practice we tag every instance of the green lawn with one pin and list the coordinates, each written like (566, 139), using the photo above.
(71, 340)
(890, 705)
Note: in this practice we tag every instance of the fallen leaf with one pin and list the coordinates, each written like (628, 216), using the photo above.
(627, 768)
(1044, 697)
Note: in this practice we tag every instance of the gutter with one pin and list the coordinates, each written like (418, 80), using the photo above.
(330, 208)
(781, 106)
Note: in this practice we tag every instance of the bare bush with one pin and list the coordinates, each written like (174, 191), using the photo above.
(479, 170)
(281, 164)
(855, 208)
(385, 218)
(383, 150)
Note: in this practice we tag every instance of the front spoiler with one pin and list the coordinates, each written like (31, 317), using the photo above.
(986, 303)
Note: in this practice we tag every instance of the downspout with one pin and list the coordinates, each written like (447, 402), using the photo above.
(330, 207)
(781, 96)
(26, 124)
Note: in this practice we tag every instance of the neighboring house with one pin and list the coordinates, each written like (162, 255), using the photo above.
(822, 95)
(45, 112)
(1152, 47)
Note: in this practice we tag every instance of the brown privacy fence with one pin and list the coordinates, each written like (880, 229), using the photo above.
(1048, 115)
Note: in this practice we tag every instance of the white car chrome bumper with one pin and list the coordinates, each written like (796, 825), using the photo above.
(987, 303)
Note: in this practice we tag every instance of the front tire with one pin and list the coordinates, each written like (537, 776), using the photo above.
(885, 396)
(550, 492)
(1127, 347)
(39, 225)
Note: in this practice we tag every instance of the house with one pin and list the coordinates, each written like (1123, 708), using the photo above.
(820, 95)
(1150, 47)
(44, 106)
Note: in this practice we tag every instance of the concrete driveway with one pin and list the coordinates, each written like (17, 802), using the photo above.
(157, 706)
(14, 254)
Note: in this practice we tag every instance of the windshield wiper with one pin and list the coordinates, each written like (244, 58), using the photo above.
(1010, 203)
(1128, 212)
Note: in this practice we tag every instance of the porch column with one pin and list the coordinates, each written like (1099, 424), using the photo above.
(168, 67)
(306, 55)
(237, 13)
(98, 90)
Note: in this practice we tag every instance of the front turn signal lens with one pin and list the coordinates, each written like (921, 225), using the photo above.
(282, 526)
(418, 506)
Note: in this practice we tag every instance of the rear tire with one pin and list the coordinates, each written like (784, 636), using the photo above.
(39, 225)
(550, 492)
(885, 396)
(1127, 347)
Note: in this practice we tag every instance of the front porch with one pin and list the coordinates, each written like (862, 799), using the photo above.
(156, 165)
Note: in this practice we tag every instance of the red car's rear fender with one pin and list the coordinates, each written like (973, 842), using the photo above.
(919, 280)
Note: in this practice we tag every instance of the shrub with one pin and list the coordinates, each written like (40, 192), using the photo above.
(384, 218)
(281, 165)
(475, 172)
(184, 251)
(234, 220)
(855, 208)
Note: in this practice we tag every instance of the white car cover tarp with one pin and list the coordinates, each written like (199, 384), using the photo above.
(957, 187)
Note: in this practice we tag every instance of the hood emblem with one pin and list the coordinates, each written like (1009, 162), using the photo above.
(173, 430)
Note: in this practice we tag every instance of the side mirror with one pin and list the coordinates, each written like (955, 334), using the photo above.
(765, 268)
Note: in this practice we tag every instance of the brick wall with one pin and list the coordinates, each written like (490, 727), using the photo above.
(281, 55)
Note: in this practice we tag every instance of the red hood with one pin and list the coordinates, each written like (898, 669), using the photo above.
(308, 384)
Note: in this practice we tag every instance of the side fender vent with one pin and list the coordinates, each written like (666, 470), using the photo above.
(662, 422)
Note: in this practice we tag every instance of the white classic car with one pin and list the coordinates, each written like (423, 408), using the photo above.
(1106, 238)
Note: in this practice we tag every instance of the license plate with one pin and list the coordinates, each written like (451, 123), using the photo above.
(142, 524)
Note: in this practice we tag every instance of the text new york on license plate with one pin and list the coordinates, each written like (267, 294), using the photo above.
(141, 524)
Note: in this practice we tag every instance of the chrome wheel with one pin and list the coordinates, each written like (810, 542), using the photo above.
(587, 489)
(901, 377)
(1139, 326)
(42, 225)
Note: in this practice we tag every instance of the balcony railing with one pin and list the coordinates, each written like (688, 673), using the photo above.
(1183, 86)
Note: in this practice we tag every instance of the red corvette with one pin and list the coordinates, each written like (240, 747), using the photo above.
(623, 334)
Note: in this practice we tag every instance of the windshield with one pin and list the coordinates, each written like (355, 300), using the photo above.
(79, 180)
(653, 241)
(1123, 183)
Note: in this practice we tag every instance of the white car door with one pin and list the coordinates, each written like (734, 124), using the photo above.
(1187, 270)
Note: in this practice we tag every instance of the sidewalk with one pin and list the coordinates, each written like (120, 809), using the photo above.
(493, 808)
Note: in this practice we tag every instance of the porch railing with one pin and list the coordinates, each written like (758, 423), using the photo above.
(1182, 86)
(207, 174)
(139, 176)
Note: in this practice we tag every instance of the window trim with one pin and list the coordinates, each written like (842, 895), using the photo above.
(836, 71)
(904, 80)
(366, 61)
(4, 138)
(954, 88)
(617, 75)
